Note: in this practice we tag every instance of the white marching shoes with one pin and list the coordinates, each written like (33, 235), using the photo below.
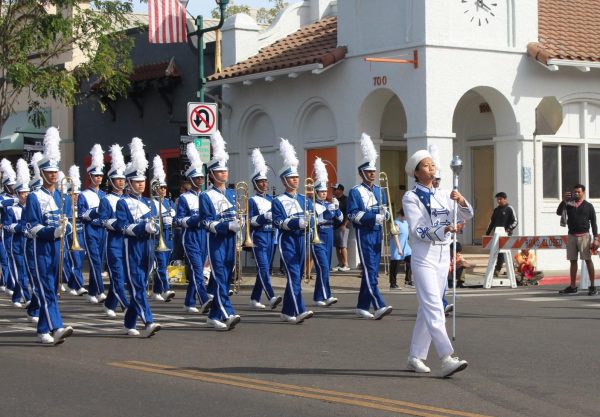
(320, 303)
(451, 365)
(61, 334)
(151, 329)
(363, 314)
(232, 321)
(110, 313)
(72, 291)
(205, 307)
(157, 297)
(92, 299)
(216, 324)
(168, 295)
(257, 305)
(275, 301)
(304, 316)
(382, 312)
(131, 332)
(81, 291)
(191, 309)
(417, 365)
(289, 319)
(102, 297)
(331, 301)
(46, 338)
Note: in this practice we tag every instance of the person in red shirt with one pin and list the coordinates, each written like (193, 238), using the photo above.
(525, 266)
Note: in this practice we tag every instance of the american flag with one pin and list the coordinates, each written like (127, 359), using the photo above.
(166, 21)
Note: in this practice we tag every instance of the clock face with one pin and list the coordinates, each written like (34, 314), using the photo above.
(480, 12)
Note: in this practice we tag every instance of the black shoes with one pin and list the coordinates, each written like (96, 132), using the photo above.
(569, 290)
(592, 290)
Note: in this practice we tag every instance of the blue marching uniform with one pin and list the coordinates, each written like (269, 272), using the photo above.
(264, 244)
(217, 209)
(113, 251)
(362, 207)
(287, 212)
(75, 259)
(194, 245)
(133, 214)
(326, 214)
(14, 225)
(42, 213)
(161, 281)
(93, 236)
(5, 258)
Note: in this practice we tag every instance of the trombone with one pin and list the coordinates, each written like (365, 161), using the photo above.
(62, 223)
(155, 188)
(243, 240)
(388, 227)
(309, 188)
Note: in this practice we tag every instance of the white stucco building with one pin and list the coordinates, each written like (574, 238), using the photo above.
(483, 68)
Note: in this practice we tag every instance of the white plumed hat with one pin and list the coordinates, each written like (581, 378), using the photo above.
(9, 176)
(369, 154)
(76, 178)
(136, 170)
(23, 176)
(97, 164)
(196, 166)
(260, 166)
(321, 176)
(117, 162)
(220, 155)
(51, 157)
(36, 181)
(158, 171)
(290, 160)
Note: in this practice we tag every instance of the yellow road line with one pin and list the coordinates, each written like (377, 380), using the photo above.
(378, 403)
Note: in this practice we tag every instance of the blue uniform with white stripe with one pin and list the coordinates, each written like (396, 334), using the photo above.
(5, 258)
(217, 209)
(14, 226)
(75, 259)
(362, 207)
(42, 213)
(93, 236)
(133, 214)
(264, 244)
(161, 281)
(113, 251)
(326, 214)
(194, 245)
(288, 209)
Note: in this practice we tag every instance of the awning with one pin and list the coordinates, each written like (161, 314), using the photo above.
(17, 128)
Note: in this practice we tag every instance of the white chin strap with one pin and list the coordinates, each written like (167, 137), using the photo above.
(214, 180)
(112, 184)
(287, 184)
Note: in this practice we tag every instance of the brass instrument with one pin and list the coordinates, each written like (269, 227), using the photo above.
(62, 223)
(309, 188)
(388, 226)
(243, 240)
(155, 188)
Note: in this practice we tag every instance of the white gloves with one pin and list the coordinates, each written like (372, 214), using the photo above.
(150, 228)
(58, 232)
(268, 215)
(234, 226)
(302, 223)
(331, 207)
(168, 220)
(335, 202)
(379, 218)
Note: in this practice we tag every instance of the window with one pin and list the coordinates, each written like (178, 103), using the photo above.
(567, 170)
(594, 172)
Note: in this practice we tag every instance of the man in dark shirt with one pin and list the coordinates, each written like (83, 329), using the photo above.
(581, 215)
(502, 216)
(341, 231)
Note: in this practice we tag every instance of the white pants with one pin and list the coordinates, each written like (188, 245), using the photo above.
(430, 266)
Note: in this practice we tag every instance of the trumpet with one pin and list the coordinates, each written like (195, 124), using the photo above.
(243, 238)
(309, 188)
(389, 227)
(155, 188)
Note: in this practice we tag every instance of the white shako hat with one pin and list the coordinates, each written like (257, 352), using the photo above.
(51, 157)
(97, 164)
(36, 181)
(413, 161)
(23, 176)
(76, 178)
(136, 170)
(158, 171)
(321, 176)
(220, 155)
(290, 160)
(260, 166)
(9, 176)
(369, 154)
(117, 162)
(196, 168)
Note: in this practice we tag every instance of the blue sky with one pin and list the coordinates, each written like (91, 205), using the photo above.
(203, 7)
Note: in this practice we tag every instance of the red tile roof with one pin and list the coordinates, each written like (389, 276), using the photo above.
(314, 43)
(155, 71)
(568, 29)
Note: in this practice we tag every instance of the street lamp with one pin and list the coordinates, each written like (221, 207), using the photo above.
(200, 33)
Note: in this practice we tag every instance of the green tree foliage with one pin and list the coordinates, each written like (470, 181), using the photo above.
(264, 15)
(37, 38)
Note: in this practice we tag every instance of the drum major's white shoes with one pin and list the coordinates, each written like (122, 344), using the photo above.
(451, 365)
(417, 365)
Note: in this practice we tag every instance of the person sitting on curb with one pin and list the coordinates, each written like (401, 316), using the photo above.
(525, 266)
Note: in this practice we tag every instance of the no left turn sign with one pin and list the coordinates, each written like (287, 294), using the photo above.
(201, 118)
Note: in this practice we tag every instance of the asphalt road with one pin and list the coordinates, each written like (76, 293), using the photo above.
(530, 353)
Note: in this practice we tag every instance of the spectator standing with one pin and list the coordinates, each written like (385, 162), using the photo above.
(503, 216)
(402, 254)
(341, 231)
(581, 215)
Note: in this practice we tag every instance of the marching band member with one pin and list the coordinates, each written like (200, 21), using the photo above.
(75, 258)
(364, 211)
(66, 271)
(161, 288)
(289, 217)
(114, 237)
(93, 231)
(430, 212)
(193, 235)
(43, 217)
(218, 213)
(326, 213)
(7, 199)
(13, 225)
(261, 223)
(33, 310)
(135, 217)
